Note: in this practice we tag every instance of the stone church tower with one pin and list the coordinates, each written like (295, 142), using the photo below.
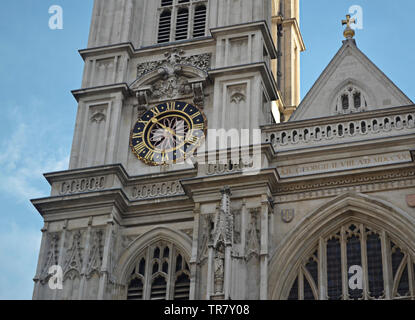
(150, 208)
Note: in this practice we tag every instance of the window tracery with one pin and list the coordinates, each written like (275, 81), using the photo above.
(350, 100)
(387, 268)
(160, 273)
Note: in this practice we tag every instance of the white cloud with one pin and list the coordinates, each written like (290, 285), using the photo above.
(29, 147)
(27, 153)
(19, 249)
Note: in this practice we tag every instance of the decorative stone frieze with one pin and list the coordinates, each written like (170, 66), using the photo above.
(200, 61)
(82, 185)
(218, 168)
(155, 190)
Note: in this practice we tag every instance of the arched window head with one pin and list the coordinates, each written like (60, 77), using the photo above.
(159, 264)
(356, 262)
(181, 20)
(350, 100)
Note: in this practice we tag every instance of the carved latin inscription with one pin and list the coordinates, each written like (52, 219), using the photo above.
(345, 164)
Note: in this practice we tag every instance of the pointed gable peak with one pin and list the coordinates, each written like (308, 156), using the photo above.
(350, 83)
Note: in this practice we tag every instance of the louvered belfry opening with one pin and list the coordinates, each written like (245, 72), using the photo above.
(182, 287)
(135, 290)
(181, 20)
(159, 288)
(182, 24)
(164, 26)
(161, 266)
(165, 3)
(199, 25)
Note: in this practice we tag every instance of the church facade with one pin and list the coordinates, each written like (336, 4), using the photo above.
(197, 173)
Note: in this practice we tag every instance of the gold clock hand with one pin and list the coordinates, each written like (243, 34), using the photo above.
(170, 130)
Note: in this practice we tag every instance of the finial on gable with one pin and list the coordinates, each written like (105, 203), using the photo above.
(348, 33)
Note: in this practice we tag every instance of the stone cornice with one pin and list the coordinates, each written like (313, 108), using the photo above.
(132, 51)
(203, 188)
(291, 22)
(109, 49)
(107, 89)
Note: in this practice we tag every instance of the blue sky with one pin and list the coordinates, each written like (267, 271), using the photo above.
(40, 67)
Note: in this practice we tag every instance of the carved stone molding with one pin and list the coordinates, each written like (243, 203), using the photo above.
(73, 260)
(217, 168)
(52, 255)
(253, 234)
(176, 56)
(360, 184)
(98, 117)
(171, 88)
(82, 185)
(287, 215)
(223, 227)
(154, 190)
(171, 78)
(96, 253)
(237, 94)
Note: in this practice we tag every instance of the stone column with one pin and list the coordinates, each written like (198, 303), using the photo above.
(106, 260)
(264, 249)
(194, 277)
(85, 260)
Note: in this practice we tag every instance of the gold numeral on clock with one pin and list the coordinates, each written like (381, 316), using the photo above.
(156, 111)
(198, 126)
(192, 140)
(171, 106)
(149, 155)
(138, 135)
(164, 157)
(140, 147)
(194, 116)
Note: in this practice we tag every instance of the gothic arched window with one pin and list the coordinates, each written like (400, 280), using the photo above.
(356, 262)
(161, 273)
(181, 20)
(350, 99)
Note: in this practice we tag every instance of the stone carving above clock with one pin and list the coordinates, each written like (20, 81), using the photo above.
(175, 57)
(175, 77)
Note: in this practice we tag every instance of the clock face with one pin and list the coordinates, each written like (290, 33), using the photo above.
(168, 133)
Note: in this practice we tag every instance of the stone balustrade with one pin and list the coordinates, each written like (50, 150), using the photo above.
(288, 136)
